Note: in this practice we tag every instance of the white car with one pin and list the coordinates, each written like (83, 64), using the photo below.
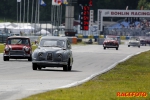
(134, 41)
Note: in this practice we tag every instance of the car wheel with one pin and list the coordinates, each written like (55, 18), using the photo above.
(67, 67)
(34, 66)
(6, 58)
(30, 59)
(128, 45)
(104, 48)
(117, 48)
(139, 46)
(39, 67)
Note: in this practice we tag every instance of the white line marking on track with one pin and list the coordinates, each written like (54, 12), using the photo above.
(103, 71)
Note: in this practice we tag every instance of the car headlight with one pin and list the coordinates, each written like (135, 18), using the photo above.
(27, 49)
(7, 48)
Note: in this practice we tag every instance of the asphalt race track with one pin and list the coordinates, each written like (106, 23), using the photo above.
(18, 80)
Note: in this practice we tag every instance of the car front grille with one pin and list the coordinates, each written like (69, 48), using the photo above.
(110, 43)
(134, 43)
(49, 56)
(16, 52)
(42, 59)
(58, 59)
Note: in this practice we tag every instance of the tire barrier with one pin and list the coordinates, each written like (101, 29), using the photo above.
(89, 36)
(73, 40)
(125, 37)
(101, 36)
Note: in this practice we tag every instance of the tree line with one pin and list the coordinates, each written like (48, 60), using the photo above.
(8, 8)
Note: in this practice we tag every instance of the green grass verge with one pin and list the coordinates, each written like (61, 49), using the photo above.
(132, 75)
(6, 20)
(1, 48)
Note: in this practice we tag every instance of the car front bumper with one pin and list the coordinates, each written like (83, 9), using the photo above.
(134, 44)
(17, 56)
(111, 46)
(49, 63)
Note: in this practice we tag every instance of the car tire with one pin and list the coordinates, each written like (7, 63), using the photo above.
(6, 58)
(39, 67)
(34, 66)
(104, 48)
(30, 59)
(67, 67)
(117, 48)
(139, 46)
(128, 45)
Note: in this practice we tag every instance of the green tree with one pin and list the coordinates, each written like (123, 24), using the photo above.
(8, 8)
(144, 3)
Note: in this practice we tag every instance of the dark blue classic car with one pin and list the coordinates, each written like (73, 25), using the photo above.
(143, 41)
(53, 52)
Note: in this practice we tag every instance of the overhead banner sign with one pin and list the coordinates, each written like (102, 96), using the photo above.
(125, 13)
(120, 13)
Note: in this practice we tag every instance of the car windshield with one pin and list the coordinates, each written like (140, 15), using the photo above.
(18, 41)
(52, 43)
(111, 39)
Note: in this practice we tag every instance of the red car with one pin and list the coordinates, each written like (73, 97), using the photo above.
(17, 47)
(111, 43)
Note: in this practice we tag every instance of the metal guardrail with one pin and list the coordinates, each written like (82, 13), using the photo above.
(101, 36)
(36, 38)
(3, 38)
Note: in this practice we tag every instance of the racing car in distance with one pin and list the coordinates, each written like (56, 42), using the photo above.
(143, 41)
(111, 43)
(148, 40)
(134, 41)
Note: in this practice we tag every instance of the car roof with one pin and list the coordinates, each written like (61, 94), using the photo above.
(18, 37)
(54, 37)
